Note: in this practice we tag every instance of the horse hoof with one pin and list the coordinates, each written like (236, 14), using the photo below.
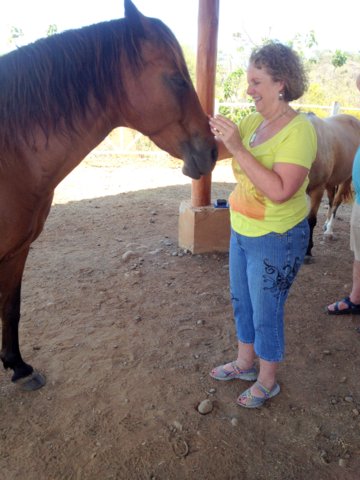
(309, 259)
(32, 382)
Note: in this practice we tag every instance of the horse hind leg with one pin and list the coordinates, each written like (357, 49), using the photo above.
(315, 199)
(340, 195)
(11, 272)
(312, 223)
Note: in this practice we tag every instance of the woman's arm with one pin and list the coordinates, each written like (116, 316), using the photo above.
(278, 184)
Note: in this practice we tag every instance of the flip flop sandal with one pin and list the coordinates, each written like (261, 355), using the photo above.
(220, 374)
(251, 401)
(352, 308)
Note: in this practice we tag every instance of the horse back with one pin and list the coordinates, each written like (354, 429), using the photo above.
(338, 138)
(345, 131)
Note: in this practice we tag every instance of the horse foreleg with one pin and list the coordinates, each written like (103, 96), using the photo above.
(11, 271)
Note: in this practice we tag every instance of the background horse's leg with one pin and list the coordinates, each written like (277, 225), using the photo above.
(11, 272)
(343, 194)
(331, 192)
(315, 199)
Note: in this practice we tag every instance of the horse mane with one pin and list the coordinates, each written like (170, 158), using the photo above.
(50, 82)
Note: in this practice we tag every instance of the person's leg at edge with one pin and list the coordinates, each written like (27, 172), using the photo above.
(354, 296)
(355, 248)
(355, 291)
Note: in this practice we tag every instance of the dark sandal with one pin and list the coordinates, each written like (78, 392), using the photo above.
(352, 308)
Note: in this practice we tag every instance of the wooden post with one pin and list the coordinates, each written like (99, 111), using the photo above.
(202, 227)
(208, 21)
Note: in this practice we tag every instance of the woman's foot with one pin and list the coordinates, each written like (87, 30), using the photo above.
(256, 395)
(343, 307)
(232, 370)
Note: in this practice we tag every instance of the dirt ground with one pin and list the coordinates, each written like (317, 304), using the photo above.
(126, 327)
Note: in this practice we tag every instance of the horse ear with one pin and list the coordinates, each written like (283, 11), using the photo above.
(131, 12)
(134, 18)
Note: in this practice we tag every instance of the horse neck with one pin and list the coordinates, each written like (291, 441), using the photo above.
(57, 154)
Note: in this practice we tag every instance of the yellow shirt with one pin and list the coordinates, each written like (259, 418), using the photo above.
(252, 214)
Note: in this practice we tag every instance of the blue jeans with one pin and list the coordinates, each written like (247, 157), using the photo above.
(262, 270)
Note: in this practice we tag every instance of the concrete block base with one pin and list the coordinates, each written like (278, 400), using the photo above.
(203, 229)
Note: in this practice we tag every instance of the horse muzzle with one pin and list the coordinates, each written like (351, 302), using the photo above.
(199, 161)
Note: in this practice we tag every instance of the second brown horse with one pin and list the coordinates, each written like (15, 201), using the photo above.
(338, 139)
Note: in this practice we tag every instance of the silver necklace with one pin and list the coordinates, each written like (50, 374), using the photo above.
(262, 127)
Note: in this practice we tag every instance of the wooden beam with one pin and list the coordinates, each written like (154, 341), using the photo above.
(208, 22)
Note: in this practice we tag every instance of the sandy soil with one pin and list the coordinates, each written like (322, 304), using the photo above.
(127, 342)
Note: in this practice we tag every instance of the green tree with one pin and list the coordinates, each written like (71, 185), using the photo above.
(231, 84)
(339, 58)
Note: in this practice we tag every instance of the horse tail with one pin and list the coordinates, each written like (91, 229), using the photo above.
(348, 193)
(345, 192)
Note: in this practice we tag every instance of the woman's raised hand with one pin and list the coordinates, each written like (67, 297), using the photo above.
(227, 132)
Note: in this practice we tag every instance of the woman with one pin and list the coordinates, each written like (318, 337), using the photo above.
(272, 151)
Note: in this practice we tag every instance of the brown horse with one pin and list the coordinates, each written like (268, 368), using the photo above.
(338, 139)
(59, 98)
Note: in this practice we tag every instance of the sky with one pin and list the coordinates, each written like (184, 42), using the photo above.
(336, 24)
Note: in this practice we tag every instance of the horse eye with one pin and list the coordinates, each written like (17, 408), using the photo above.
(179, 82)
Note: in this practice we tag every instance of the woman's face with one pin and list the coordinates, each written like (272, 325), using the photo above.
(263, 90)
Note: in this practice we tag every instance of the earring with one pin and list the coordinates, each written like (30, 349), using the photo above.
(281, 96)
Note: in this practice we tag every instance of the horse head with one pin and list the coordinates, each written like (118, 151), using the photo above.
(161, 100)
